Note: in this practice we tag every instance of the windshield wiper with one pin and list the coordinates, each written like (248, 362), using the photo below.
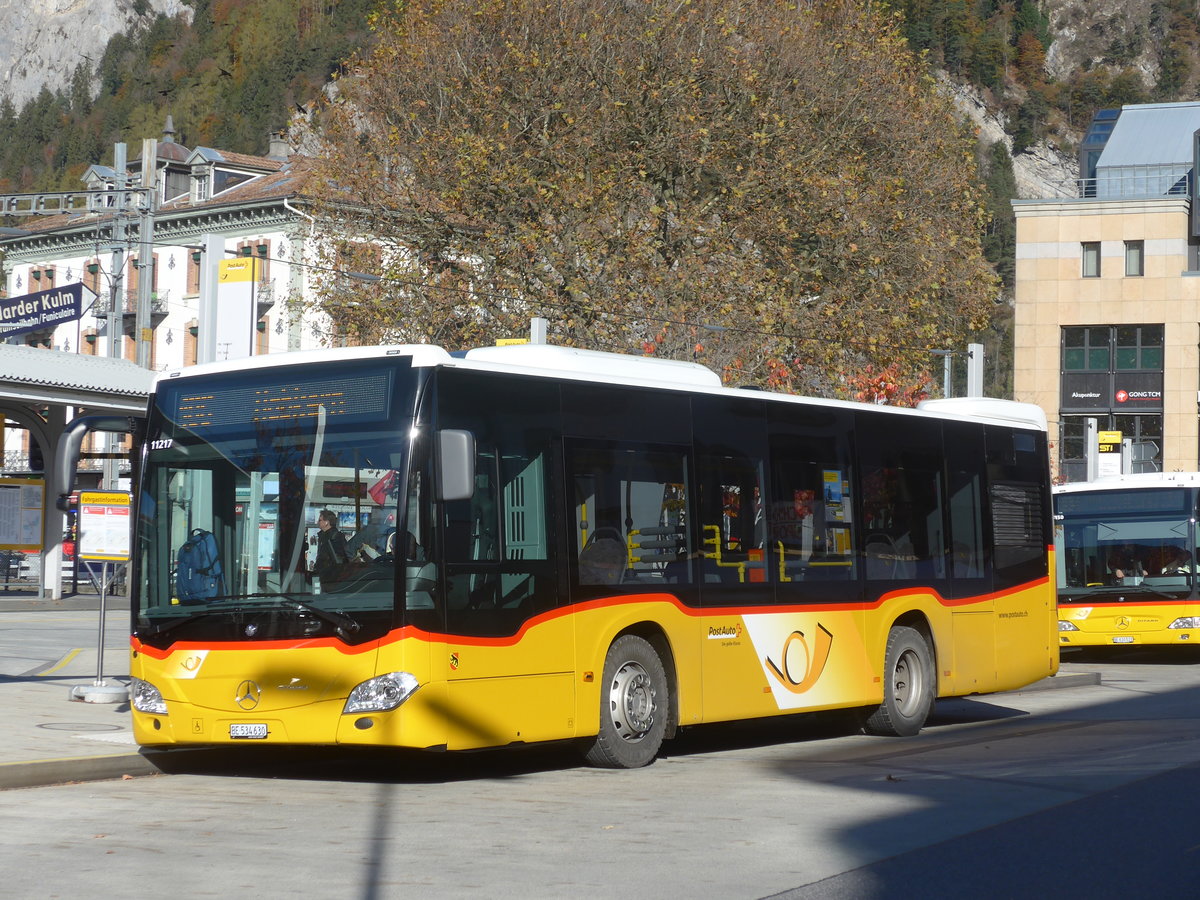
(341, 621)
(344, 624)
(156, 630)
(1082, 594)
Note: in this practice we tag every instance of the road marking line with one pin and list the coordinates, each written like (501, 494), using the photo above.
(62, 662)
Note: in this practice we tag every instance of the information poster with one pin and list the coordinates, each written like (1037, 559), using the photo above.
(22, 506)
(104, 532)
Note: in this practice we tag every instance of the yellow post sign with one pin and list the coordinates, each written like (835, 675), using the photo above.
(1108, 460)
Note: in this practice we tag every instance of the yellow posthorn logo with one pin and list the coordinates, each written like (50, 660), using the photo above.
(815, 659)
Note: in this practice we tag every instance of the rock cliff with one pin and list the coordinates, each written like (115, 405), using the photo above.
(42, 41)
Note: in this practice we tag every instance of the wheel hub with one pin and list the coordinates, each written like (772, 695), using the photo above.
(632, 701)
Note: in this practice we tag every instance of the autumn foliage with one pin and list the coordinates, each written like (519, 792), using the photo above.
(776, 189)
(890, 387)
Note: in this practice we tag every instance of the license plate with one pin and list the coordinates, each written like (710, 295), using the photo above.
(1123, 639)
(247, 731)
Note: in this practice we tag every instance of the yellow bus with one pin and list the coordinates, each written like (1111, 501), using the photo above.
(550, 544)
(1127, 560)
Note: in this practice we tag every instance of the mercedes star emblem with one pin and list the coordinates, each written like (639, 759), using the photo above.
(248, 694)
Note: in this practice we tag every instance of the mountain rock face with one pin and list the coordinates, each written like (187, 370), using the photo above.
(42, 41)
(1043, 170)
(1087, 32)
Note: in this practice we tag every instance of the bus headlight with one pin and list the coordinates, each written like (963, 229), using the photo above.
(1186, 622)
(1064, 625)
(146, 698)
(381, 693)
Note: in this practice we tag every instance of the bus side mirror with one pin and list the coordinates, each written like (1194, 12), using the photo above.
(456, 464)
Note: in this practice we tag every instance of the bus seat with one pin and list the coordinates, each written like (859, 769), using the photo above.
(602, 559)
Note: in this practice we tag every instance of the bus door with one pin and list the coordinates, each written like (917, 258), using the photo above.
(973, 616)
(632, 554)
(509, 658)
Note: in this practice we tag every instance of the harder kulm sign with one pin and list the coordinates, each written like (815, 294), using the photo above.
(45, 309)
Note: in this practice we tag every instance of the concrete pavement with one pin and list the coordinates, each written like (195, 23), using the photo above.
(49, 659)
(49, 654)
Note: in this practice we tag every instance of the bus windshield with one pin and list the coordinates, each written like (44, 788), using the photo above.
(270, 506)
(1139, 540)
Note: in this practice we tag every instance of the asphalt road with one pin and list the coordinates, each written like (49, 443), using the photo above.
(1087, 791)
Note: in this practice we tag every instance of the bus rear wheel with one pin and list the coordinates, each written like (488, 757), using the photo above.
(908, 685)
(634, 700)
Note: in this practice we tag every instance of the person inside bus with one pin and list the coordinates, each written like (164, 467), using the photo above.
(1179, 563)
(1122, 565)
(371, 539)
(331, 547)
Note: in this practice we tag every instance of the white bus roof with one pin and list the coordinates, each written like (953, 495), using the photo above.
(1125, 482)
(611, 368)
(1006, 412)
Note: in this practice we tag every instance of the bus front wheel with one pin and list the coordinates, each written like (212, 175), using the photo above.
(908, 685)
(634, 700)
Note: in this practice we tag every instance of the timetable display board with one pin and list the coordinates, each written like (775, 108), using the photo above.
(104, 526)
(22, 510)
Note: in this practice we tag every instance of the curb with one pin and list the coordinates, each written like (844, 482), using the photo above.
(78, 769)
(68, 769)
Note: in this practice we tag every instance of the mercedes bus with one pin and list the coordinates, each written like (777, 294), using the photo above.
(1127, 560)
(551, 544)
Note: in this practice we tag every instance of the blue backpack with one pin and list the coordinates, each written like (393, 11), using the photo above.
(198, 569)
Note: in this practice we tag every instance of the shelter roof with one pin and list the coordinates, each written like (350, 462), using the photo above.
(30, 375)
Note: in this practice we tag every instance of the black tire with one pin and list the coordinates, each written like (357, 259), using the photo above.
(634, 705)
(909, 685)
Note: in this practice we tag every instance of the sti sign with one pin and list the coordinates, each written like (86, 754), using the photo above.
(45, 309)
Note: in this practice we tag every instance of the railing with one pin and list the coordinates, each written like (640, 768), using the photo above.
(1126, 183)
(129, 303)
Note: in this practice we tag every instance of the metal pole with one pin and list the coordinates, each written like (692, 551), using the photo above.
(99, 682)
(1091, 447)
(210, 262)
(145, 256)
(116, 305)
(537, 330)
(974, 370)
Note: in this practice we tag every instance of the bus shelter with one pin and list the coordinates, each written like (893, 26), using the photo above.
(40, 391)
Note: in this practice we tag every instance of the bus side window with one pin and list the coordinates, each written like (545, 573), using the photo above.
(497, 544)
(1020, 505)
(732, 524)
(630, 516)
(968, 538)
(903, 499)
(811, 506)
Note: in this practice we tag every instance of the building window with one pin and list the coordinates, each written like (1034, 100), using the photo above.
(1135, 258)
(1091, 259)
(1139, 348)
(1086, 349)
